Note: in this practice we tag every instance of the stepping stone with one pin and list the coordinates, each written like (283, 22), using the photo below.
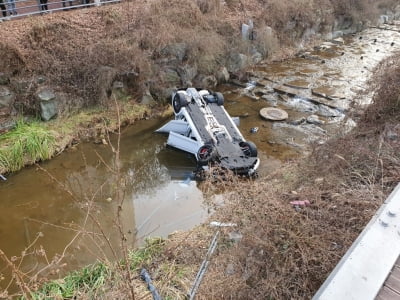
(298, 84)
(273, 114)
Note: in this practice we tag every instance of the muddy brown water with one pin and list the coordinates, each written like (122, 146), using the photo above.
(159, 197)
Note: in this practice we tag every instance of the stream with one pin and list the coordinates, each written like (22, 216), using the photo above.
(47, 207)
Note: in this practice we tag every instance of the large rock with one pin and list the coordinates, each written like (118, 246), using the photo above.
(256, 57)
(206, 82)
(171, 77)
(7, 97)
(48, 103)
(222, 75)
(118, 90)
(6, 124)
(237, 61)
(147, 99)
(105, 78)
(187, 73)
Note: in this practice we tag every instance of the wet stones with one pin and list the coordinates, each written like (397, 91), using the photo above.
(338, 41)
(271, 99)
(298, 84)
(326, 111)
(327, 92)
(302, 105)
(314, 119)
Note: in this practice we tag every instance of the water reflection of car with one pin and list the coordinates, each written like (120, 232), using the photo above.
(204, 128)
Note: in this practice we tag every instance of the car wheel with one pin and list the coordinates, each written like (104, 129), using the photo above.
(178, 102)
(249, 148)
(220, 98)
(205, 154)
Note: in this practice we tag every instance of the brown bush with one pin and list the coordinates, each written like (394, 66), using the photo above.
(12, 61)
(386, 89)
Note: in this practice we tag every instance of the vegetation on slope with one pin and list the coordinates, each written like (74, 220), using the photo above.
(142, 41)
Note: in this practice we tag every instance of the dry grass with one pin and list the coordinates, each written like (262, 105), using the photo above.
(285, 252)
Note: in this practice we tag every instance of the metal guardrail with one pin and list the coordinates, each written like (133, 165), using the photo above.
(364, 268)
(11, 9)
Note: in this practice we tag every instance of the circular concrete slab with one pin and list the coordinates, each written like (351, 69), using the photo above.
(273, 114)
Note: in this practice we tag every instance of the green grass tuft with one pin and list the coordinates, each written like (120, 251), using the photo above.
(87, 280)
(26, 143)
(141, 256)
(92, 280)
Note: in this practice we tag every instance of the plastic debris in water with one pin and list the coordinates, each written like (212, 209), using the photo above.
(2, 177)
(254, 129)
(250, 85)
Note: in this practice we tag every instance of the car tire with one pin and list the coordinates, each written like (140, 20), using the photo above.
(249, 148)
(220, 98)
(205, 154)
(178, 102)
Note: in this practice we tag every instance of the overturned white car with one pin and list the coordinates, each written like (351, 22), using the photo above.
(203, 127)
